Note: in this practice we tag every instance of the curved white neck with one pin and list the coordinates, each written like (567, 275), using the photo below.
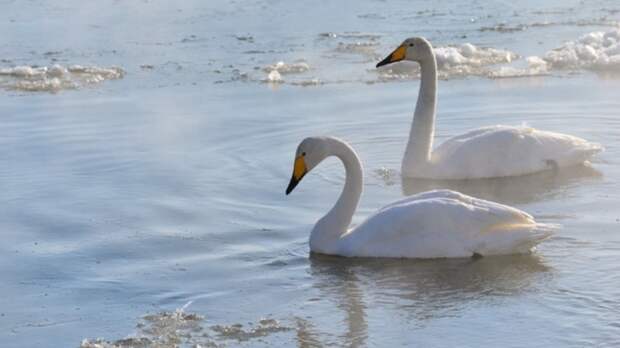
(334, 224)
(420, 143)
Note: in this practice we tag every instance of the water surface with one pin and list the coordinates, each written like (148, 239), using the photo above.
(163, 190)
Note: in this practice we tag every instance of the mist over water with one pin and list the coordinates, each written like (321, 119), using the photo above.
(146, 147)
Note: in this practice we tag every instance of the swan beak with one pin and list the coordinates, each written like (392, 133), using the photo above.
(396, 56)
(299, 170)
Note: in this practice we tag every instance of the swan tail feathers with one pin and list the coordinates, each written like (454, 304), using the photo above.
(541, 231)
(589, 149)
(515, 238)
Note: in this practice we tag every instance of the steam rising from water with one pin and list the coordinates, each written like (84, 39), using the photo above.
(123, 195)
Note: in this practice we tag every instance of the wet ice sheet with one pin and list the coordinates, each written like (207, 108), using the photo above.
(55, 77)
(594, 51)
(184, 329)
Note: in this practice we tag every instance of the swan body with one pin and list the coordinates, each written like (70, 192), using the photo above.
(487, 152)
(433, 224)
(499, 151)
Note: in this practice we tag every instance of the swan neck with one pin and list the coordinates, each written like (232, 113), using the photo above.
(335, 223)
(422, 129)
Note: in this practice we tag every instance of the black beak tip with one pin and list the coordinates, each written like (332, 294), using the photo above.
(291, 185)
(386, 61)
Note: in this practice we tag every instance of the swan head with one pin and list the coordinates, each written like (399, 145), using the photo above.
(415, 49)
(310, 152)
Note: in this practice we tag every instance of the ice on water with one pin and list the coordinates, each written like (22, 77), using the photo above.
(288, 68)
(536, 66)
(183, 329)
(56, 77)
(275, 71)
(593, 51)
(598, 50)
(455, 61)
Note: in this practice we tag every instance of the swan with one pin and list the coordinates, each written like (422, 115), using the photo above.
(432, 224)
(493, 151)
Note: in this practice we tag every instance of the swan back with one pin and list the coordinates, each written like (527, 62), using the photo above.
(444, 223)
(498, 151)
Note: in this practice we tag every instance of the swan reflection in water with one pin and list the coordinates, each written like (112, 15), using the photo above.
(416, 291)
(508, 190)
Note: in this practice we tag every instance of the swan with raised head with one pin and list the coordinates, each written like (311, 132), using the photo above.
(433, 224)
(494, 151)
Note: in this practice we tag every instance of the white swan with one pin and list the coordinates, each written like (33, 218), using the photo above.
(431, 224)
(494, 151)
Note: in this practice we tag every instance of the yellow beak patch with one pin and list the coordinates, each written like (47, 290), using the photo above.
(299, 169)
(398, 55)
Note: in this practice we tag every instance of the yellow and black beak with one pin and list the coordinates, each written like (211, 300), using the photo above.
(299, 170)
(396, 56)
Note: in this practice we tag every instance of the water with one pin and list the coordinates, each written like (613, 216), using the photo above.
(151, 205)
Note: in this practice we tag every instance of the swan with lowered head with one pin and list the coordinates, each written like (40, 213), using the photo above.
(494, 151)
(433, 224)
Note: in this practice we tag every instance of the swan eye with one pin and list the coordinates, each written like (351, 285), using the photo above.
(411, 45)
(303, 154)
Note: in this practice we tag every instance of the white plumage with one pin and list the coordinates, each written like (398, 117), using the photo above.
(495, 151)
(444, 223)
(433, 224)
(498, 151)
